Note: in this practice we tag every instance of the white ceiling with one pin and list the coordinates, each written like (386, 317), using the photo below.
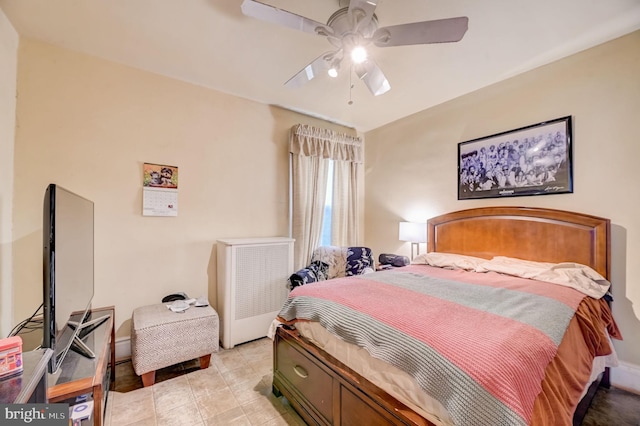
(210, 43)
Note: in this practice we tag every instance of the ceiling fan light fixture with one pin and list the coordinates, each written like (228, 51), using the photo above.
(352, 28)
(358, 54)
(333, 60)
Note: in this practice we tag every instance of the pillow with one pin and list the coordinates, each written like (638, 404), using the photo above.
(448, 260)
(513, 266)
(334, 256)
(316, 271)
(568, 274)
(358, 259)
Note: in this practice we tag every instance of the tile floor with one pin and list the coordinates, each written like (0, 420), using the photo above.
(236, 390)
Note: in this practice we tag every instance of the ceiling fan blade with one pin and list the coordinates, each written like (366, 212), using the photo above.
(438, 31)
(316, 67)
(371, 74)
(362, 11)
(267, 13)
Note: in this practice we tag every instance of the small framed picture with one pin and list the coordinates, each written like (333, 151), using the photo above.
(532, 160)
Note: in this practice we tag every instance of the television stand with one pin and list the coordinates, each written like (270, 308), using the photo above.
(79, 375)
(86, 328)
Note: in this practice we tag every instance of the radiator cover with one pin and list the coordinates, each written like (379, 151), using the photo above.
(252, 286)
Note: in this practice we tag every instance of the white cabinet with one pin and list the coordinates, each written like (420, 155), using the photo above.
(252, 286)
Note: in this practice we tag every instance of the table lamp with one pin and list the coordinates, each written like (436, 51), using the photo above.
(415, 233)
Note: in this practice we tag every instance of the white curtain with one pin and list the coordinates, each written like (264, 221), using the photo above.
(311, 150)
(345, 212)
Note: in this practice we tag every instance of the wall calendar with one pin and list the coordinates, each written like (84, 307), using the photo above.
(160, 190)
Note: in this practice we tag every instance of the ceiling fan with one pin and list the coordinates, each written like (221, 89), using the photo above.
(351, 29)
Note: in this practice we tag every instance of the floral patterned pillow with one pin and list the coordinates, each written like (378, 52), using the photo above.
(316, 271)
(359, 260)
(335, 257)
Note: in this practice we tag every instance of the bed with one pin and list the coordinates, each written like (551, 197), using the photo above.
(330, 380)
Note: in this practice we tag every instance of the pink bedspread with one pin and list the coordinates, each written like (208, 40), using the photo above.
(479, 343)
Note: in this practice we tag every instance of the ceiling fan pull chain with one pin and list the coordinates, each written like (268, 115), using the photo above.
(350, 84)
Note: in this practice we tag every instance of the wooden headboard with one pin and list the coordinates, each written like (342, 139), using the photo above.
(538, 234)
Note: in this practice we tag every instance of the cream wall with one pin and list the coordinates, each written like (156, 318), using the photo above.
(89, 125)
(411, 163)
(8, 70)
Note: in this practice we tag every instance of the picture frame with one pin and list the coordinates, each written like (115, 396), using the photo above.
(531, 160)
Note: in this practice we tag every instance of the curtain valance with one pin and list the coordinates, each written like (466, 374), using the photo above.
(312, 141)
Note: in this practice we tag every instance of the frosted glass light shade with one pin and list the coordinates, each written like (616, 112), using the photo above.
(413, 232)
(358, 54)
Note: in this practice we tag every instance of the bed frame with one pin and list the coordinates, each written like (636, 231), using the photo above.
(325, 391)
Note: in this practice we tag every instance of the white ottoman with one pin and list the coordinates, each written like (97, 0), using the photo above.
(160, 338)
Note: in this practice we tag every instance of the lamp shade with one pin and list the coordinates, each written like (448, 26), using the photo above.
(413, 232)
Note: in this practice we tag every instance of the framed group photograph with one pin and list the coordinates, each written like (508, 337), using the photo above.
(532, 160)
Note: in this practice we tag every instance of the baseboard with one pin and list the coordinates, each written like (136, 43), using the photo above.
(626, 376)
(123, 348)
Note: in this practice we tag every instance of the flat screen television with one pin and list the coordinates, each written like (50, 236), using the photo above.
(68, 273)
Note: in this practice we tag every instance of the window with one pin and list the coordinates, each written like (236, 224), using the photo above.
(321, 159)
(325, 238)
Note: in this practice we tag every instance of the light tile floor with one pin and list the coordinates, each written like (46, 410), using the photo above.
(234, 390)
